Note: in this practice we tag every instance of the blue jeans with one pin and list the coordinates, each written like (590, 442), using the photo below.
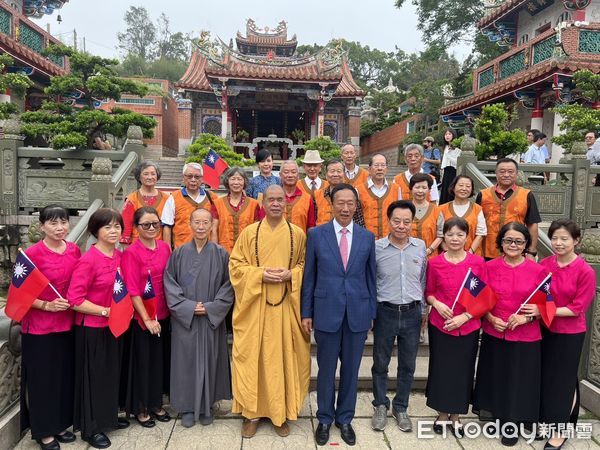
(389, 325)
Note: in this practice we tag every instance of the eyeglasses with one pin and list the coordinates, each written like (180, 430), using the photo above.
(193, 177)
(517, 242)
(148, 225)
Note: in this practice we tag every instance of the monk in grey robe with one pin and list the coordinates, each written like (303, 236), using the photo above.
(199, 295)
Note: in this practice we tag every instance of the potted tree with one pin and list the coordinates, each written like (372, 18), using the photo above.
(242, 136)
(298, 136)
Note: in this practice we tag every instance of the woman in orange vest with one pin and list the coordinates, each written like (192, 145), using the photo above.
(461, 189)
(147, 174)
(236, 210)
(428, 223)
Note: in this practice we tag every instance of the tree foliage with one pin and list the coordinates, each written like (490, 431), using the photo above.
(71, 119)
(492, 132)
(15, 82)
(139, 37)
(206, 141)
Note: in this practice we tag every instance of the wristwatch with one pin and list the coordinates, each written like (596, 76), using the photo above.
(104, 313)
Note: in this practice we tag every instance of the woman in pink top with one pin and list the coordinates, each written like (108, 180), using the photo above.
(509, 368)
(149, 363)
(453, 333)
(47, 338)
(573, 288)
(97, 351)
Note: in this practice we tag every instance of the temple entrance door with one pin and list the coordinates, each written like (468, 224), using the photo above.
(263, 123)
(271, 122)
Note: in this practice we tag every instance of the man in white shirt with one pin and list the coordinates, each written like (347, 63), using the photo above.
(311, 164)
(535, 154)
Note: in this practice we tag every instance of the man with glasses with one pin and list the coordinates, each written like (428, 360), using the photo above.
(432, 158)
(414, 157)
(506, 202)
(180, 205)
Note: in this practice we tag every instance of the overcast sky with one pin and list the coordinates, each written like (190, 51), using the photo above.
(376, 23)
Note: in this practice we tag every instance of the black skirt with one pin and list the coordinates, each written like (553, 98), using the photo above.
(47, 383)
(447, 178)
(149, 367)
(508, 380)
(560, 364)
(97, 370)
(451, 371)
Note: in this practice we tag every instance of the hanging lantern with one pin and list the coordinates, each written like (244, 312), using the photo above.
(59, 19)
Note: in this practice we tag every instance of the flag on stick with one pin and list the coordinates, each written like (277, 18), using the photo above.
(212, 169)
(26, 285)
(121, 307)
(149, 298)
(544, 300)
(475, 296)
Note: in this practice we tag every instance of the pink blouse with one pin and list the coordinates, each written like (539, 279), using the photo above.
(574, 287)
(444, 280)
(93, 279)
(137, 261)
(513, 285)
(57, 267)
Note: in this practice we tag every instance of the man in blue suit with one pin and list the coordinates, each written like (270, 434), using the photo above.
(339, 302)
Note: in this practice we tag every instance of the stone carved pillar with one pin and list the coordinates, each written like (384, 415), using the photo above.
(590, 251)
(9, 202)
(580, 183)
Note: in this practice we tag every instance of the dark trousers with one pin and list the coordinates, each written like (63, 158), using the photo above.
(348, 347)
(389, 325)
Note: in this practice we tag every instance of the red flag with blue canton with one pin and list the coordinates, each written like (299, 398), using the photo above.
(545, 302)
(121, 307)
(26, 285)
(212, 168)
(476, 296)
(149, 298)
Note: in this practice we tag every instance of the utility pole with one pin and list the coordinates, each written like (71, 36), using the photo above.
(84, 50)
(74, 39)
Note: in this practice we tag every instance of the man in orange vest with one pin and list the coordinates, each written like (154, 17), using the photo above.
(180, 205)
(506, 202)
(299, 207)
(312, 164)
(414, 155)
(353, 173)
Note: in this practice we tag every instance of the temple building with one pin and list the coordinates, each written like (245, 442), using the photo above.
(24, 41)
(261, 87)
(546, 42)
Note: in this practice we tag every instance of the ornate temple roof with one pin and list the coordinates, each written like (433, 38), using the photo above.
(505, 8)
(532, 6)
(37, 8)
(265, 36)
(219, 61)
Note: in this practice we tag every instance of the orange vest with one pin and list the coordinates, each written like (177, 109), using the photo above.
(184, 207)
(499, 212)
(296, 212)
(425, 228)
(360, 178)
(404, 184)
(231, 223)
(447, 209)
(323, 204)
(306, 188)
(375, 208)
(138, 201)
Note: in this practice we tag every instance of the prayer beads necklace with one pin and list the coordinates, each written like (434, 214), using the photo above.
(289, 264)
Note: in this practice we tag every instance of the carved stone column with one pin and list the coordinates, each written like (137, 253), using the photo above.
(9, 202)
(581, 177)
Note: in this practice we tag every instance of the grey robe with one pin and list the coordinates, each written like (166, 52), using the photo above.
(200, 372)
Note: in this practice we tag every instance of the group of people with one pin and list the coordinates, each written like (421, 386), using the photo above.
(335, 257)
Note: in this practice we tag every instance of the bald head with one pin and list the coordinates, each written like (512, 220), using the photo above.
(274, 201)
(201, 222)
(201, 213)
(349, 155)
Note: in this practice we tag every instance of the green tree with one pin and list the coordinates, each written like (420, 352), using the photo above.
(139, 37)
(92, 79)
(206, 141)
(492, 132)
(17, 83)
(327, 148)
(171, 46)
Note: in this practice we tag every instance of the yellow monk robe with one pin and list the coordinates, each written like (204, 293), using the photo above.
(425, 228)
(447, 209)
(306, 188)
(361, 177)
(232, 223)
(323, 204)
(404, 185)
(271, 354)
(184, 207)
(498, 212)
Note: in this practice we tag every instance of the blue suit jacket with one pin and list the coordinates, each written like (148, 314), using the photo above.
(328, 291)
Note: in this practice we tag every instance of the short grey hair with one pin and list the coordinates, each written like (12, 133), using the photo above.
(192, 165)
(289, 162)
(137, 172)
(410, 147)
(235, 170)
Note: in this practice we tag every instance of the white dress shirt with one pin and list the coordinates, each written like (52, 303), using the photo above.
(338, 234)
(168, 212)
(318, 182)
(350, 174)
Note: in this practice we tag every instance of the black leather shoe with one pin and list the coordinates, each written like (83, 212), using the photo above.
(98, 440)
(66, 438)
(148, 423)
(549, 446)
(347, 433)
(322, 433)
(122, 423)
(52, 445)
(165, 417)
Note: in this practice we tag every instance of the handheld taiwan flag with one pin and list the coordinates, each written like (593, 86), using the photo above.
(212, 168)
(149, 298)
(476, 296)
(544, 301)
(26, 285)
(121, 307)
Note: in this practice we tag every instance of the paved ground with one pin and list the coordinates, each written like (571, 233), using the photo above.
(224, 433)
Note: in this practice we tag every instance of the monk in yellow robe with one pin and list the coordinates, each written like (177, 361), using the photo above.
(271, 352)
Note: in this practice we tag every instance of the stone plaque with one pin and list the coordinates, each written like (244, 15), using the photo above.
(38, 188)
(553, 201)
